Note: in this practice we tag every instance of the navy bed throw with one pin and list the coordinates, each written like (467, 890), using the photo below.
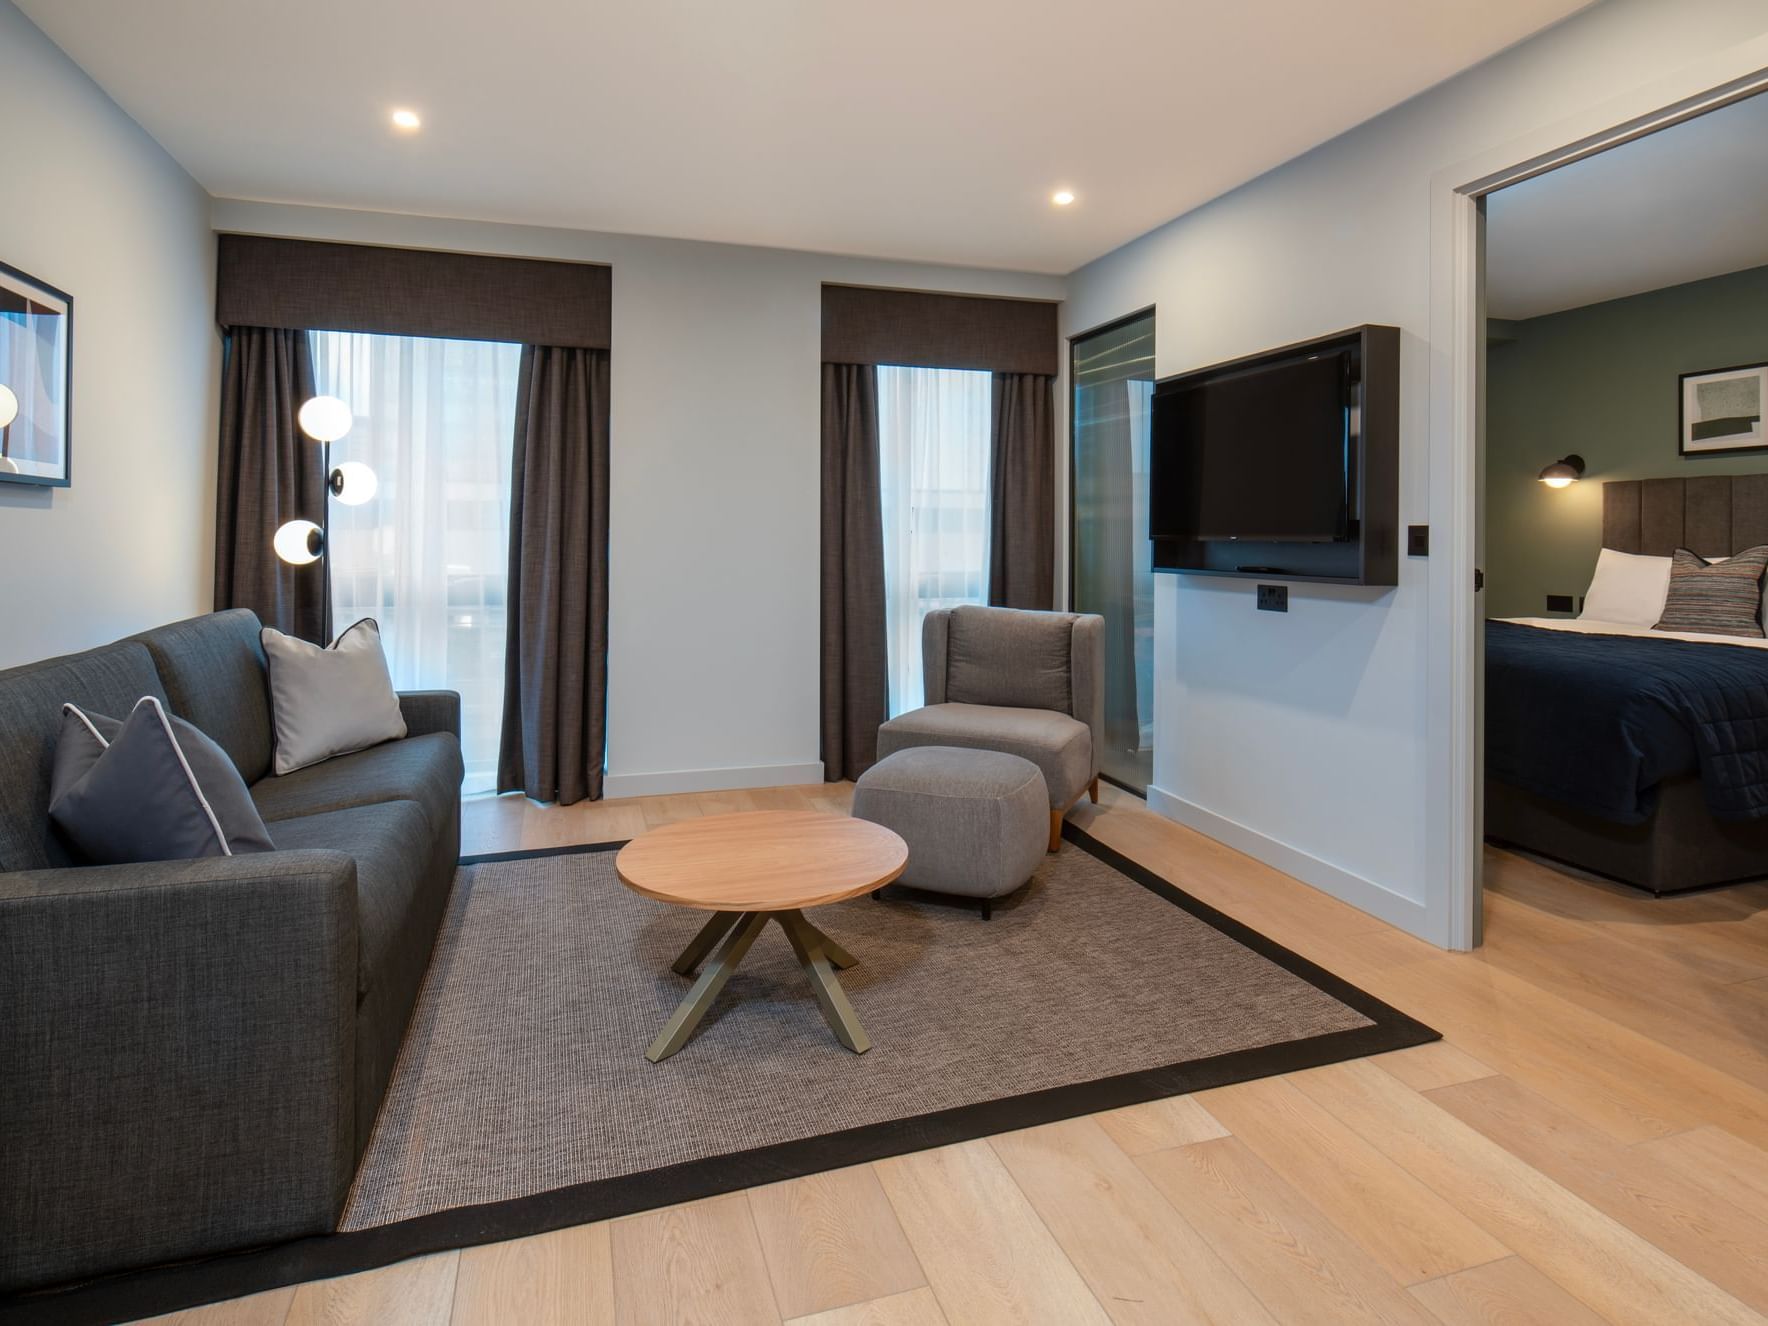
(1598, 721)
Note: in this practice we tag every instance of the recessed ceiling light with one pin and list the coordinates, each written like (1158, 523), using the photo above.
(406, 120)
(1062, 197)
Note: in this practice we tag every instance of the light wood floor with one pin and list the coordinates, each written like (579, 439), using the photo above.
(1589, 1143)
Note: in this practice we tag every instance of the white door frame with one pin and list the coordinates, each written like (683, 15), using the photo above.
(1456, 814)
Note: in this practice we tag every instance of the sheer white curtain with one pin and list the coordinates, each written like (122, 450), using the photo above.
(428, 556)
(933, 443)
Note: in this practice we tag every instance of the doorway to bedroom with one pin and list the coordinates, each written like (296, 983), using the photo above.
(1623, 707)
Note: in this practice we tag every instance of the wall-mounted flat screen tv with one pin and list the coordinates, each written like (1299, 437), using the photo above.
(1264, 455)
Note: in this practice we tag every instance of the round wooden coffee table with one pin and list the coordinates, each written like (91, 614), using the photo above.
(751, 868)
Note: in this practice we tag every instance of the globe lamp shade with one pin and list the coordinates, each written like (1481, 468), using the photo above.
(299, 542)
(353, 483)
(325, 418)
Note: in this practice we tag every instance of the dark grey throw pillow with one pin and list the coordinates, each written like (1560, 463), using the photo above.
(148, 788)
(1723, 598)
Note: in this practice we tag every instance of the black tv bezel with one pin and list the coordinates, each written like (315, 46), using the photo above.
(1350, 515)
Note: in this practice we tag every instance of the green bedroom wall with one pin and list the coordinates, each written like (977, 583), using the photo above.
(1600, 381)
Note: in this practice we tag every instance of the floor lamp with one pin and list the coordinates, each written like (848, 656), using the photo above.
(325, 419)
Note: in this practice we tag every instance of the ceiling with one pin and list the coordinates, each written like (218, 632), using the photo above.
(913, 129)
(1685, 203)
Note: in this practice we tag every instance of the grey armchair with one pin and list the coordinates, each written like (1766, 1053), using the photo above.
(1028, 683)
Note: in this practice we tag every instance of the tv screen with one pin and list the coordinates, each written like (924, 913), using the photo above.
(1263, 455)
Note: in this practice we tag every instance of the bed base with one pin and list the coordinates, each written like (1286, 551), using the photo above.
(1679, 848)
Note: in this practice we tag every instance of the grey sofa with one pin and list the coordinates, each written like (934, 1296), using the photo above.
(1031, 684)
(192, 1053)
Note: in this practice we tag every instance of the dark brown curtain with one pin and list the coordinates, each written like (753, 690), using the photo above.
(555, 694)
(269, 472)
(1022, 510)
(855, 668)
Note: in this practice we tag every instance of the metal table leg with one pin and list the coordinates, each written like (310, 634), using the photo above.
(701, 944)
(688, 1013)
(813, 950)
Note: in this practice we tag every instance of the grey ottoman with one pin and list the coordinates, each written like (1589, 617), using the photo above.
(976, 821)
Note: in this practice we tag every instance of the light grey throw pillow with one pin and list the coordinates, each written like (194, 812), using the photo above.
(331, 701)
(148, 788)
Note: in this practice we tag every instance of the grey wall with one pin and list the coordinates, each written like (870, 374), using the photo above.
(94, 206)
(1600, 381)
(1316, 739)
(714, 528)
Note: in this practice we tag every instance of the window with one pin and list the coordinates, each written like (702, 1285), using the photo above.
(428, 556)
(1113, 375)
(933, 443)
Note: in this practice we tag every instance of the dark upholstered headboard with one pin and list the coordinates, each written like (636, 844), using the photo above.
(1714, 515)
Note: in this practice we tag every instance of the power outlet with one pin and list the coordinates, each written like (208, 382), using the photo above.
(1273, 598)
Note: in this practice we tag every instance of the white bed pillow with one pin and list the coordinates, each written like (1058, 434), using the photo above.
(1628, 588)
(326, 702)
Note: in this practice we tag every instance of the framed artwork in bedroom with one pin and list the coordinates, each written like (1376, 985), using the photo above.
(36, 377)
(1721, 410)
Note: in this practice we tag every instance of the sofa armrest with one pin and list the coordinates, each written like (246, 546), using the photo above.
(430, 711)
(179, 1046)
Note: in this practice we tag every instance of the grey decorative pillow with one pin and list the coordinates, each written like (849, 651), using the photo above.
(1724, 598)
(326, 702)
(148, 788)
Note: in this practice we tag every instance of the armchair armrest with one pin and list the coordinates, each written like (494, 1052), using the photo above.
(179, 1047)
(430, 711)
(1086, 678)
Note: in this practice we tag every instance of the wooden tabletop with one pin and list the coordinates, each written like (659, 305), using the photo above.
(761, 860)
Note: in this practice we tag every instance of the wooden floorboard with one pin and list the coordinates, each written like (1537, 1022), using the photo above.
(1587, 1144)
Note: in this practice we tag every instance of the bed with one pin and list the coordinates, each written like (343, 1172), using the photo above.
(1636, 754)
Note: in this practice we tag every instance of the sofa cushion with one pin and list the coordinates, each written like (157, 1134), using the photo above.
(425, 769)
(1061, 747)
(109, 680)
(1006, 656)
(213, 671)
(391, 844)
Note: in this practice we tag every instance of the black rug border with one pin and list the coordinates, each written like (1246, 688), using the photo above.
(165, 1289)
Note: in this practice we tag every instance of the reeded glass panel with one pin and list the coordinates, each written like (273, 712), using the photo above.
(1112, 372)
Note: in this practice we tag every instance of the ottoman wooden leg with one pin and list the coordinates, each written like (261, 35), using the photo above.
(1055, 830)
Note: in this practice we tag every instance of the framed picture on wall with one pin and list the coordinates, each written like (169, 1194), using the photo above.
(36, 365)
(1722, 410)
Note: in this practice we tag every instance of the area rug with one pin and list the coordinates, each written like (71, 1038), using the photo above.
(523, 1102)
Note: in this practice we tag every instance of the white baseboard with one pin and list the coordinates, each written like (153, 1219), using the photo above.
(710, 780)
(1364, 894)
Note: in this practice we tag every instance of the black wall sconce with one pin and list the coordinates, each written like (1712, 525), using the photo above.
(1563, 472)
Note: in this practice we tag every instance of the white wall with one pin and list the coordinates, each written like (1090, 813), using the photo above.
(1301, 738)
(92, 205)
(714, 533)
